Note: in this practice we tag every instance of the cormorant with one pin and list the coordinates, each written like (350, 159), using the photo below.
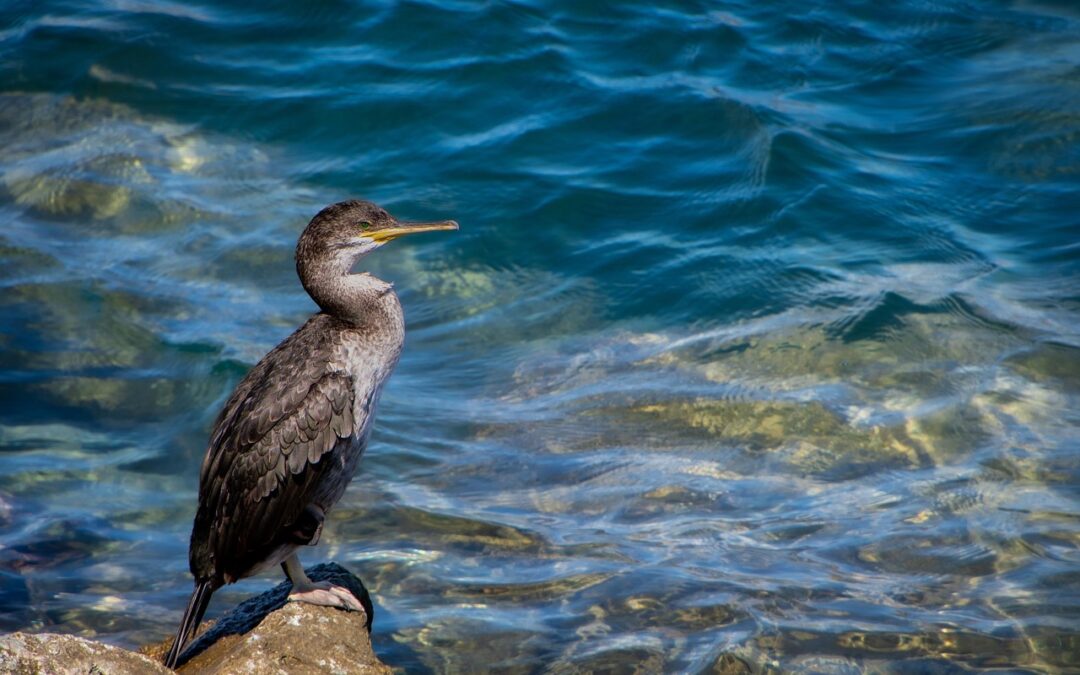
(290, 437)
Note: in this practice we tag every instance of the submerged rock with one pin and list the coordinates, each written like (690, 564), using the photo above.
(263, 635)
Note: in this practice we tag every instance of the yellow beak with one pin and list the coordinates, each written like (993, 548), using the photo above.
(387, 234)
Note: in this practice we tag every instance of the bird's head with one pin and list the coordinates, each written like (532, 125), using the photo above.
(343, 232)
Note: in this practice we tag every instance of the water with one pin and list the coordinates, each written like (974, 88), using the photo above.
(759, 344)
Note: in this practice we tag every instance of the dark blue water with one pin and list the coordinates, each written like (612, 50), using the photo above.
(759, 345)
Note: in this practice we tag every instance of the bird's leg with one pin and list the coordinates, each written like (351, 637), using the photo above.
(317, 592)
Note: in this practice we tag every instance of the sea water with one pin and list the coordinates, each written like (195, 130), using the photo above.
(758, 347)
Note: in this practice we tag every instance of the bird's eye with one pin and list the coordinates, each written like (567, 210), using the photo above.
(365, 225)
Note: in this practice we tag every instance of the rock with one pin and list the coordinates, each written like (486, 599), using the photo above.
(297, 639)
(262, 635)
(266, 634)
(30, 654)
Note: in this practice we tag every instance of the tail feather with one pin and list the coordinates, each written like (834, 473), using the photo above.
(193, 615)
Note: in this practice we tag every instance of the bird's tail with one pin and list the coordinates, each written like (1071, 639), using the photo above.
(196, 607)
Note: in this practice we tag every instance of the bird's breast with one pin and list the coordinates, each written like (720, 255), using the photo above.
(369, 358)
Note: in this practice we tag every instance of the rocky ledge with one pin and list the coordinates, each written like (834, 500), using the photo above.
(262, 635)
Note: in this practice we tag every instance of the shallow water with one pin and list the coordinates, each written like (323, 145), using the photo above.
(759, 344)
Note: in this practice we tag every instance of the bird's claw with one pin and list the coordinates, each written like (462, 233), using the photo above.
(327, 595)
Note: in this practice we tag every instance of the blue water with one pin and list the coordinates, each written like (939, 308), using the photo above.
(758, 348)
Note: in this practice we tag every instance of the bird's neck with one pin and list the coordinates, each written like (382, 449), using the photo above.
(359, 299)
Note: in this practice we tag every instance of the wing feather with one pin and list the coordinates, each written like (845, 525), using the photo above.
(276, 443)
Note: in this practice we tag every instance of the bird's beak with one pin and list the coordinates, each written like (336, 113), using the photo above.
(390, 233)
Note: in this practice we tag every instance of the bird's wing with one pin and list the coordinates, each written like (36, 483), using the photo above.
(269, 452)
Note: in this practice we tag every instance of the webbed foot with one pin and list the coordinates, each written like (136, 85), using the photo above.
(326, 594)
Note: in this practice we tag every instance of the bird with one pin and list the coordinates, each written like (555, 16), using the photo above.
(288, 440)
